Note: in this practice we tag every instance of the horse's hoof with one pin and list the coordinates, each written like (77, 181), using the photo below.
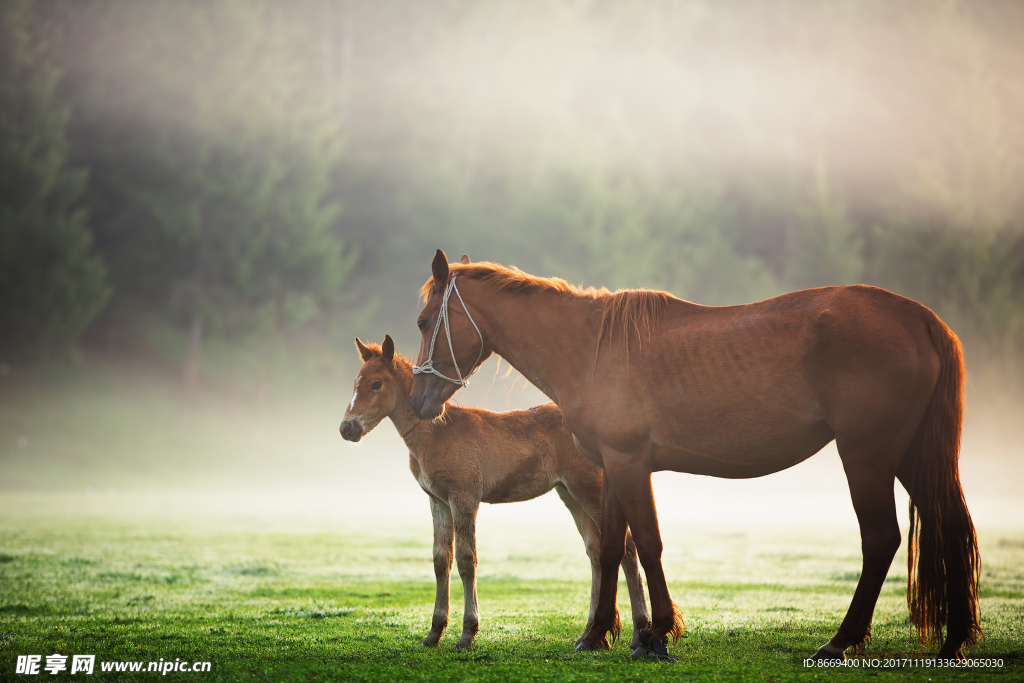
(643, 651)
(651, 647)
(828, 651)
(464, 644)
(583, 646)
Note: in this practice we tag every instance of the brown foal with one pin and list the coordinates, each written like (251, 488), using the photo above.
(648, 382)
(473, 456)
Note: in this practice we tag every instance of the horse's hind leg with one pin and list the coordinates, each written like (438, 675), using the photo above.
(464, 514)
(872, 493)
(443, 538)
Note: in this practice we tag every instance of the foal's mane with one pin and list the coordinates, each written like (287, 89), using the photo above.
(402, 365)
(625, 310)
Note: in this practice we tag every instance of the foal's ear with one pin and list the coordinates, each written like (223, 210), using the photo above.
(440, 270)
(387, 349)
(464, 260)
(365, 352)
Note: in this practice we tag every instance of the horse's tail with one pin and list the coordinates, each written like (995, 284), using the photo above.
(943, 561)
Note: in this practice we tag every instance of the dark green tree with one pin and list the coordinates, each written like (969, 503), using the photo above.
(213, 158)
(52, 284)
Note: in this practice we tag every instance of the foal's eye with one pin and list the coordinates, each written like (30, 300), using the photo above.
(422, 324)
(376, 386)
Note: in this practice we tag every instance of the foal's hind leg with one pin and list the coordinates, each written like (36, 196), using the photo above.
(443, 537)
(592, 540)
(464, 512)
(637, 594)
(872, 494)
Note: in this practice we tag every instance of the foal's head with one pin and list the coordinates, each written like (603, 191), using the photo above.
(378, 388)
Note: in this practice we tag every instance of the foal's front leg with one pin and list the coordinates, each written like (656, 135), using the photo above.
(464, 512)
(443, 537)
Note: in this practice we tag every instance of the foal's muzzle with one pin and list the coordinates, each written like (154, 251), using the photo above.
(351, 430)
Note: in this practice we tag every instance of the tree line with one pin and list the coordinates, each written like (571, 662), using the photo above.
(253, 172)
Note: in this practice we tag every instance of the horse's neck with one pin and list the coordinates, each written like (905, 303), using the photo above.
(549, 337)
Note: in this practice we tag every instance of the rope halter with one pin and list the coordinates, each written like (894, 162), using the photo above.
(428, 367)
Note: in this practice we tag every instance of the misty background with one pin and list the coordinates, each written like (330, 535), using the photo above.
(202, 203)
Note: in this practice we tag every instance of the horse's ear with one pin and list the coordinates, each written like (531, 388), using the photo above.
(440, 270)
(387, 349)
(365, 352)
(464, 260)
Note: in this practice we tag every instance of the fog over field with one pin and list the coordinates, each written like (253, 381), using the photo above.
(132, 446)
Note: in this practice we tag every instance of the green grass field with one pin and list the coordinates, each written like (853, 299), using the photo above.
(139, 523)
(288, 604)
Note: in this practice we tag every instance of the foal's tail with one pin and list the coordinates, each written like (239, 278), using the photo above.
(943, 561)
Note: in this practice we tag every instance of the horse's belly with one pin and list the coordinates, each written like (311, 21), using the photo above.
(741, 454)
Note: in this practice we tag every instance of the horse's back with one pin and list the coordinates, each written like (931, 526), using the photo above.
(747, 390)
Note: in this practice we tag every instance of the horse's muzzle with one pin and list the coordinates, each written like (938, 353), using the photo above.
(426, 407)
(351, 430)
(428, 396)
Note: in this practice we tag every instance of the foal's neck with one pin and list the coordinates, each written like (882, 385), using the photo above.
(402, 416)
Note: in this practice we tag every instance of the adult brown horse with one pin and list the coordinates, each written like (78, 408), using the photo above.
(647, 382)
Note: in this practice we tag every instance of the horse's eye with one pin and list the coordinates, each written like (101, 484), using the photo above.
(376, 386)
(422, 324)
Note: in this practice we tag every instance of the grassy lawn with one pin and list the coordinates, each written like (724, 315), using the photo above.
(290, 604)
(138, 523)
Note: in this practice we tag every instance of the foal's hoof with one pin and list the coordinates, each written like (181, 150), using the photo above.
(828, 651)
(582, 645)
(432, 639)
(464, 643)
(651, 647)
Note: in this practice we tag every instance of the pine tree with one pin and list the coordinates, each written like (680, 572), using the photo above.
(52, 284)
(212, 159)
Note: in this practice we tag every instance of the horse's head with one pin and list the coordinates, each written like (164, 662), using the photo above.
(452, 345)
(377, 389)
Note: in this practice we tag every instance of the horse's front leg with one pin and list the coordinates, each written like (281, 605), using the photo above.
(636, 499)
(464, 513)
(443, 538)
(613, 547)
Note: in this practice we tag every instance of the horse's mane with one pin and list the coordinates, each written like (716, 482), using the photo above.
(625, 311)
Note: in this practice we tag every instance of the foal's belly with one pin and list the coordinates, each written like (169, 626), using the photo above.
(524, 480)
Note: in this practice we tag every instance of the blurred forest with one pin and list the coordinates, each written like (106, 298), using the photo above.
(270, 179)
